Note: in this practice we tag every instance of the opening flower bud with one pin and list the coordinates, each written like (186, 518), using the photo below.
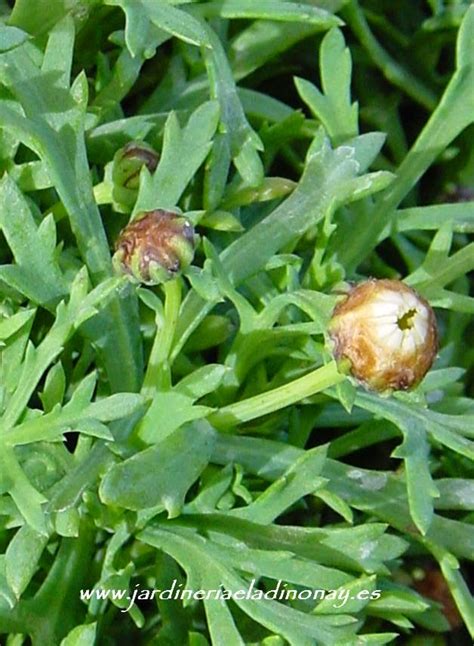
(388, 334)
(126, 167)
(155, 247)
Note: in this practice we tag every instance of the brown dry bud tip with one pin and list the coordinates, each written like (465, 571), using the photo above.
(388, 334)
(155, 247)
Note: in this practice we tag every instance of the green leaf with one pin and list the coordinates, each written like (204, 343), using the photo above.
(202, 381)
(30, 176)
(11, 325)
(347, 597)
(27, 499)
(221, 221)
(371, 547)
(221, 624)
(461, 594)
(333, 107)
(54, 387)
(53, 126)
(125, 73)
(416, 425)
(11, 37)
(36, 272)
(168, 411)
(300, 480)
(328, 181)
(431, 218)
(6, 595)
(379, 493)
(80, 308)
(421, 488)
(39, 16)
(242, 142)
(22, 557)
(453, 114)
(336, 503)
(81, 477)
(161, 475)
(58, 55)
(270, 189)
(395, 73)
(263, 40)
(455, 493)
(78, 414)
(206, 570)
(273, 10)
(11, 357)
(440, 269)
(88, 467)
(173, 21)
(83, 635)
(184, 150)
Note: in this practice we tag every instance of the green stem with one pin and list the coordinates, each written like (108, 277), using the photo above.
(278, 398)
(157, 373)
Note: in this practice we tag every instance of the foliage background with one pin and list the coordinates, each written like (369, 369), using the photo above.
(201, 431)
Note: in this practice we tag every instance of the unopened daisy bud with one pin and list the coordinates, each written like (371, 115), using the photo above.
(126, 167)
(388, 334)
(155, 247)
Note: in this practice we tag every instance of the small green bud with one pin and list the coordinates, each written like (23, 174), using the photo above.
(388, 334)
(155, 247)
(126, 167)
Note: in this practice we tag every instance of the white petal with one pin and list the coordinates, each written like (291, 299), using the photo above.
(384, 330)
(410, 301)
(388, 295)
(420, 327)
(394, 340)
(383, 308)
(408, 343)
(422, 312)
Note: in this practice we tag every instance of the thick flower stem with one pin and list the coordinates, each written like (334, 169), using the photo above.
(278, 398)
(157, 373)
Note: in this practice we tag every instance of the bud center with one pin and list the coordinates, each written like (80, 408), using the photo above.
(406, 322)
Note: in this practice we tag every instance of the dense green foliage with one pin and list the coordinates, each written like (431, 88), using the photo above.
(200, 431)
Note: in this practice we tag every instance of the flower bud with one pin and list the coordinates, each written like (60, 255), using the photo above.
(126, 167)
(155, 247)
(388, 334)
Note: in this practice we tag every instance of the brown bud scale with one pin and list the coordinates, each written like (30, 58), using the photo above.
(137, 151)
(155, 238)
